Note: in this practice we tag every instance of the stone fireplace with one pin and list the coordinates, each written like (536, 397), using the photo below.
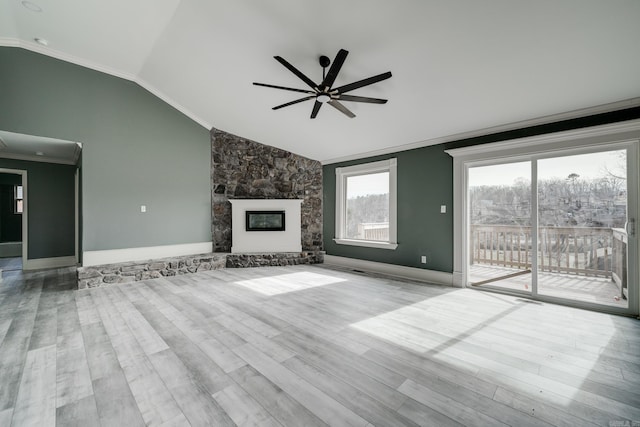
(242, 169)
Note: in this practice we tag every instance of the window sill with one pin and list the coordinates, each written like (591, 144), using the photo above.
(367, 243)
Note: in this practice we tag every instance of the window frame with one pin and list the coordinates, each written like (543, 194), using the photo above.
(342, 174)
(18, 199)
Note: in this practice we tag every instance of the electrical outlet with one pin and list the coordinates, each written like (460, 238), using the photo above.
(423, 259)
(143, 208)
(443, 208)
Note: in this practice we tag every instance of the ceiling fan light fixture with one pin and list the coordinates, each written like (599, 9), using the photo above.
(323, 97)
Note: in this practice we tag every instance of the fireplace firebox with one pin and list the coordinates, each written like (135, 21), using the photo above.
(264, 221)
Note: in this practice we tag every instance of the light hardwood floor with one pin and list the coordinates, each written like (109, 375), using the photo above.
(305, 346)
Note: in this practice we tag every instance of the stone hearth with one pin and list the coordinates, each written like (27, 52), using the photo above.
(113, 274)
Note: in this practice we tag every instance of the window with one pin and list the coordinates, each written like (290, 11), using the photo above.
(17, 196)
(366, 205)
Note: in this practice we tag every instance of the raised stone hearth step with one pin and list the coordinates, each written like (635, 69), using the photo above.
(274, 259)
(104, 275)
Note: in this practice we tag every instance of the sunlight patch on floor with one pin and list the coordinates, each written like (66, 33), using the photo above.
(474, 343)
(282, 284)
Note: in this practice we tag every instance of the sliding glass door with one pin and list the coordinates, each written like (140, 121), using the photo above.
(500, 226)
(558, 226)
(582, 214)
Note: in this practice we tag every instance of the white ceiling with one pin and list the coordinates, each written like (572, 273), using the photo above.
(458, 66)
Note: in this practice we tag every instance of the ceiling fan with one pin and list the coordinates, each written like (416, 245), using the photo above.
(324, 92)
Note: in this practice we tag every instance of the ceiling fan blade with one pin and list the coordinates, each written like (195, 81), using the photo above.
(306, 98)
(316, 108)
(335, 68)
(297, 72)
(284, 88)
(364, 82)
(335, 104)
(362, 99)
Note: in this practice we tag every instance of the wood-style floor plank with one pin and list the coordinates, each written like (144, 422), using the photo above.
(305, 345)
(243, 410)
(320, 404)
(81, 413)
(282, 406)
(36, 400)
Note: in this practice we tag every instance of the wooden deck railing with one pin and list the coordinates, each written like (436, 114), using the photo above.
(587, 251)
(373, 231)
(619, 262)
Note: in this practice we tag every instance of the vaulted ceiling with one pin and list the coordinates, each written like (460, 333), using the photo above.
(458, 66)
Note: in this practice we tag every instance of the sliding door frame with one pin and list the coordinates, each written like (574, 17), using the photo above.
(598, 138)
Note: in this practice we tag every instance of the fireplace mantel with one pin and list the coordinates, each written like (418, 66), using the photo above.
(288, 240)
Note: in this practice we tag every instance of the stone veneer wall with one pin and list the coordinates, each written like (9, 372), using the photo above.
(245, 169)
(110, 274)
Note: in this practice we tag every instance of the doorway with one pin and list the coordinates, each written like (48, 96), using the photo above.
(550, 218)
(12, 219)
(554, 226)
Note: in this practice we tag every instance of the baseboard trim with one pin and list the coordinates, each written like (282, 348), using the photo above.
(42, 263)
(113, 256)
(422, 275)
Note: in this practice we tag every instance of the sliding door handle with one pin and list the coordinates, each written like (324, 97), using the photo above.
(630, 227)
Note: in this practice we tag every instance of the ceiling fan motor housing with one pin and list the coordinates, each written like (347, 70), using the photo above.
(324, 61)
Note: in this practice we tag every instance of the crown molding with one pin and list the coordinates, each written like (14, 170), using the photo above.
(629, 129)
(574, 114)
(53, 53)
(76, 153)
(39, 159)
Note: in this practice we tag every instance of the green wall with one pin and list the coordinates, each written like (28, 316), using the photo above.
(136, 150)
(425, 181)
(50, 207)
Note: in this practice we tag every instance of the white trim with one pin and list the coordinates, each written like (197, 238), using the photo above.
(112, 256)
(76, 214)
(366, 243)
(42, 263)
(389, 165)
(35, 47)
(41, 159)
(49, 51)
(166, 98)
(549, 143)
(412, 273)
(77, 152)
(553, 118)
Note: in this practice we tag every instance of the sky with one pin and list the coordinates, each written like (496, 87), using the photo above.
(362, 185)
(591, 165)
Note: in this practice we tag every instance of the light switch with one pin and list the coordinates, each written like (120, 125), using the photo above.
(443, 208)
(143, 208)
